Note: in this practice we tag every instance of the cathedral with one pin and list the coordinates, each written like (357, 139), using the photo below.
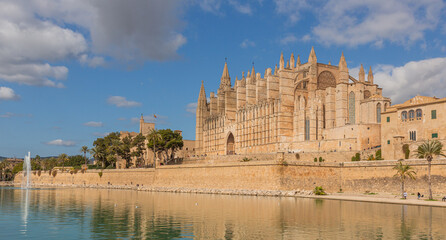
(298, 107)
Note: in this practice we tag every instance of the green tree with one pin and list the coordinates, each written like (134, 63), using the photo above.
(99, 151)
(404, 171)
(169, 143)
(62, 159)
(138, 144)
(112, 141)
(125, 150)
(155, 143)
(84, 149)
(428, 150)
(75, 161)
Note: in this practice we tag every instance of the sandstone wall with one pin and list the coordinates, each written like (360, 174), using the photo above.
(357, 177)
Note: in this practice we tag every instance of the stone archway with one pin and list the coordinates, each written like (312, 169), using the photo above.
(230, 145)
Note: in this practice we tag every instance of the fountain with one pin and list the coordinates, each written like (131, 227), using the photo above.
(26, 183)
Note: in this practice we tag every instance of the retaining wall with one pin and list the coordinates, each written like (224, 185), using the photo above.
(376, 176)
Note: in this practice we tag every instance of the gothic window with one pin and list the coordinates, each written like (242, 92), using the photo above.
(404, 116)
(419, 114)
(323, 116)
(367, 94)
(411, 115)
(378, 113)
(413, 135)
(351, 108)
(326, 79)
(307, 129)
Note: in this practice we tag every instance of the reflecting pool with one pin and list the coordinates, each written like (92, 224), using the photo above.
(65, 213)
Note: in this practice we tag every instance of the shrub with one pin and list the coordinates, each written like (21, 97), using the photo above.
(378, 155)
(100, 174)
(315, 159)
(406, 151)
(71, 172)
(110, 167)
(54, 173)
(245, 159)
(75, 171)
(297, 156)
(39, 172)
(319, 191)
(371, 157)
(321, 159)
(356, 157)
(284, 163)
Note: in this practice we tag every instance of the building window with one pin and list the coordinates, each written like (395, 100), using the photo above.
(411, 115)
(378, 113)
(307, 129)
(404, 116)
(434, 135)
(434, 114)
(388, 141)
(351, 108)
(419, 114)
(413, 135)
(388, 119)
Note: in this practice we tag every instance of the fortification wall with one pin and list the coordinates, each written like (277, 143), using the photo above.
(356, 177)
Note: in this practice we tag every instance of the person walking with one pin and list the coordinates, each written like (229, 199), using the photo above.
(405, 195)
(419, 195)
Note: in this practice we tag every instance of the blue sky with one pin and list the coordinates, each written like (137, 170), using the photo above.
(72, 71)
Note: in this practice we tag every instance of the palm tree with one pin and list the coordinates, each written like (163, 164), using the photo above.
(84, 150)
(429, 150)
(62, 158)
(404, 171)
(154, 137)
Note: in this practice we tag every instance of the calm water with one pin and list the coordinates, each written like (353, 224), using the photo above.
(111, 214)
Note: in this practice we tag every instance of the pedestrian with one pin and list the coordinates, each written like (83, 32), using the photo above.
(405, 195)
(419, 195)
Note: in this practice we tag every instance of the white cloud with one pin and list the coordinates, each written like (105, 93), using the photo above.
(93, 124)
(10, 115)
(191, 107)
(247, 43)
(60, 142)
(8, 94)
(99, 134)
(288, 39)
(122, 102)
(214, 6)
(425, 77)
(375, 22)
(291, 8)
(242, 8)
(36, 35)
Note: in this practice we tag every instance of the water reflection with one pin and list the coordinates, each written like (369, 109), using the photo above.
(111, 214)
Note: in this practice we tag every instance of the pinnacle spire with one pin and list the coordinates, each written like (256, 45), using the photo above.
(225, 71)
(361, 74)
(253, 73)
(202, 92)
(282, 62)
(225, 80)
(298, 60)
(312, 58)
(343, 63)
(292, 62)
(370, 76)
(275, 70)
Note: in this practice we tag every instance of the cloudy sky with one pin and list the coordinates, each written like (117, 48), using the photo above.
(75, 70)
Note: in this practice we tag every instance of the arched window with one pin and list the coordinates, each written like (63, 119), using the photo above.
(411, 115)
(419, 114)
(351, 108)
(378, 113)
(404, 116)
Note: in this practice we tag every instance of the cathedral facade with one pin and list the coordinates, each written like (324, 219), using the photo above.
(298, 107)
